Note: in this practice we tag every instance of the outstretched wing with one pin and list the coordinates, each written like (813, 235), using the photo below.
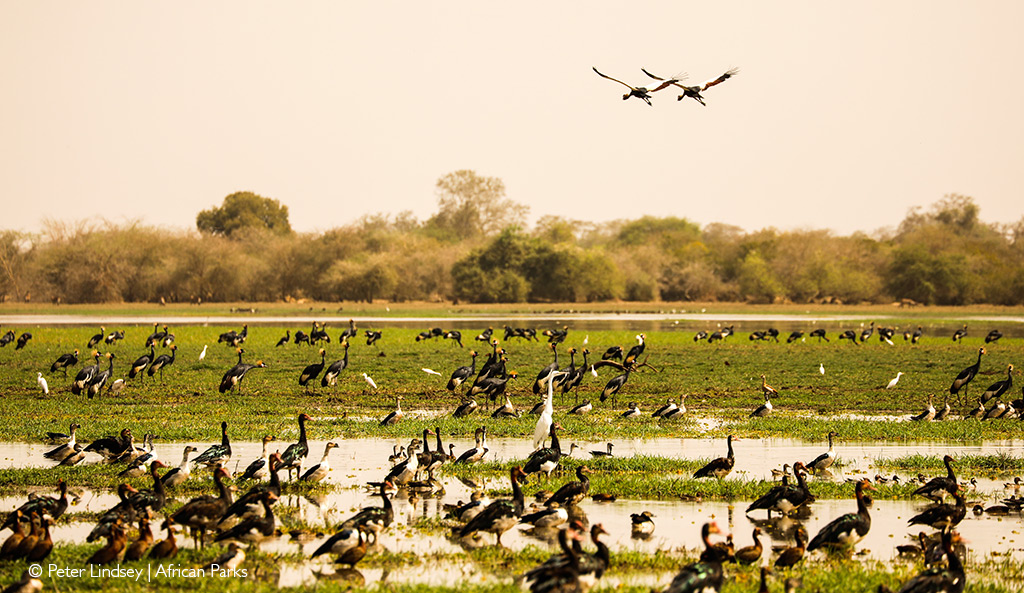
(728, 74)
(667, 82)
(610, 78)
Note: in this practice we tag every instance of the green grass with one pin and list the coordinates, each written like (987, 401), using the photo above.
(998, 463)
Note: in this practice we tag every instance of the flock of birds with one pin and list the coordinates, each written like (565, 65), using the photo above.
(250, 517)
(693, 92)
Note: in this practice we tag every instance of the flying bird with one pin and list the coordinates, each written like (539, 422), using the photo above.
(694, 92)
(634, 91)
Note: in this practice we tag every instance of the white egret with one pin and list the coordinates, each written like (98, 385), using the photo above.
(369, 381)
(202, 354)
(42, 384)
(430, 371)
(821, 368)
(894, 381)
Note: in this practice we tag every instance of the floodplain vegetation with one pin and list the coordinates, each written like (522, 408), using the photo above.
(721, 382)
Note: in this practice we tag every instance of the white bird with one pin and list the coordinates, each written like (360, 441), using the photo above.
(42, 384)
(202, 354)
(821, 368)
(369, 380)
(586, 339)
(543, 428)
(117, 386)
(894, 381)
(430, 371)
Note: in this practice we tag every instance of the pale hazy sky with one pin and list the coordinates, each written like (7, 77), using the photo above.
(844, 115)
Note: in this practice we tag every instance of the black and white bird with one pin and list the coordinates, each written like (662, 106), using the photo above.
(825, 460)
(634, 91)
(330, 377)
(693, 92)
(68, 359)
(720, 467)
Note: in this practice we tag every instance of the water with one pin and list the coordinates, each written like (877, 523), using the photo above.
(357, 461)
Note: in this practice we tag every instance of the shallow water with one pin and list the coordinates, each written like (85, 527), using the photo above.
(357, 461)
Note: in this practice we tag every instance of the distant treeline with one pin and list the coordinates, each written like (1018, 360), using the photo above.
(476, 249)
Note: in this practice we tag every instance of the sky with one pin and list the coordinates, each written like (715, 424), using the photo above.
(844, 116)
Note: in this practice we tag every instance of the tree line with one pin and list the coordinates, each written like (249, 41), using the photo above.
(477, 248)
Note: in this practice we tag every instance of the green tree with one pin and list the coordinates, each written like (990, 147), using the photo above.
(244, 210)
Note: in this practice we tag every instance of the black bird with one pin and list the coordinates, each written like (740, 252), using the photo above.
(501, 515)
(216, 454)
(233, 377)
(933, 488)
(161, 362)
(847, 529)
(455, 336)
(634, 91)
(296, 453)
(545, 459)
(794, 336)
(820, 334)
(311, 371)
(141, 363)
(372, 336)
(485, 336)
(287, 338)
(40, 505)
(85, 375)
(719, 468)
(943, 515)
(615, 353)
(155, 337)
(993, 336)
(999, 388)
(64, 361)
(785, 498)
(694, 92)
(916, 336)
(330, 377)
(950, 579)
(349, 333)
(7, 338)
(540, 384)
(966, 375)
(95, 385)
(96, 339)
(255, 528)
(462, 373)
(112, 447)
(636, 351)
(22, 340)
(614, 386)
(849, 335)
(865, 334)
(959, 334)
(702, 576)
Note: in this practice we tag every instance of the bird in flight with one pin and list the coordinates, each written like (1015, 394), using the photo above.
(634, 91)
(694, 92)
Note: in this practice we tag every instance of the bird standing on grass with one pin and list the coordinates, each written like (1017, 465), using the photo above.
(42, 384)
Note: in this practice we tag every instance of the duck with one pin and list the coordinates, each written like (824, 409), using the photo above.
(593, 566)
(396, 415)
(295, 455)
(928, 414)
(11, 544)
(551, 516)
(605, 453)
(764, 409)
(704, 575)
(505, 411)
(936, 486)
(826, 459)
(116, 541)
(217, 454)
(318, 472)
(124, 511)
(27, 584)
(846, 530)
(40, 505)
(257, 470)
(641, 524)
(785, 498)
(561, 572)
(165, 548)
(29, 541)
(670, 406)
(374, 519)
(632, 412)
(248, 505)
(778, 474)
(204, 512)
(138, 465)
(254, 529)
(140, 546)
(792, 555)
(68, 448)
(151, 498)
(112, 447)
(501, 515)
(467, 407)
(404, 472)
(944, 412)
(465, 512)
(545, 459)
(348, 546)
(719, 468)
(942, 515)
(44, 542)
(571, 493)
(228, 562)
(477, 453)
(950, 579)
(751, 554)
(678, 412)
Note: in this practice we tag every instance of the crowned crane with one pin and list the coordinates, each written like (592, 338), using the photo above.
(85, 375)
(68, 359)
(311, 371)
(330, 377)
(820, 334)
(636, 351)
(96, 339)
(846, 530)
(999, 388)
(161, 362)
(233, 377)
(719, 468)
(138, 368)
(287, 338)
(849, 335)
(349, 333)
(462, 373)
(372, 336)
(545, 374)
(157, 335)
(916, 336)
(866, 333)
(693, 92)
(634, 91)
(993, 336)
(966, 376)
(960, 334)
(99, 380)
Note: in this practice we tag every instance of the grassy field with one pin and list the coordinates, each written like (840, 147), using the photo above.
(721, 381)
